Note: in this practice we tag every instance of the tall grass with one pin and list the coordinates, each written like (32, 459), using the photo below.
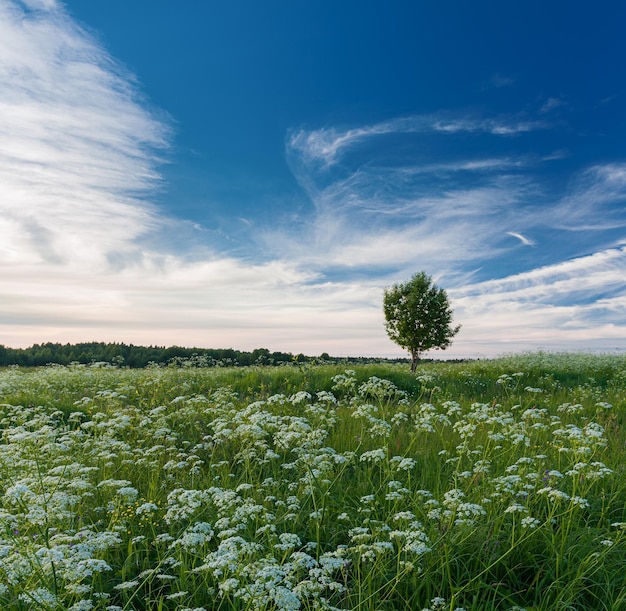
(490, 485)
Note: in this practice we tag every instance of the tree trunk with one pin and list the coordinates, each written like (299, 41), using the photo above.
(415, 358)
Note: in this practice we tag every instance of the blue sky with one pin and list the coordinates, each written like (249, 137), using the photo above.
(254, 174)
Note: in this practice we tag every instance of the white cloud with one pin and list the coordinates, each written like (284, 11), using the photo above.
(41, 4)
(220, 303)
(409, 217)
(326, 145)
(551, 104)
(76, 150)
(505, 126)
(591, 273)
(595, 201)
(522, 238)
(554, 307)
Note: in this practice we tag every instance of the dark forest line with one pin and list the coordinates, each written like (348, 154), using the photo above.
(129, 355)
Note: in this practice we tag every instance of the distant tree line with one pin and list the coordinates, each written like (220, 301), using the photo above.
(129, 355)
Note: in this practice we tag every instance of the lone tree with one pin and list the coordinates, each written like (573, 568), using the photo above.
(418, 316)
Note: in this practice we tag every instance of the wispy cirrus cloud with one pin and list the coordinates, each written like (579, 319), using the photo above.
(578, 303)
(502, 126)
(522, 238)
(77, 150)
(359, 226)
(326, 145)
(588, 275)
(594, 201)
(444, 213)
(551, 104)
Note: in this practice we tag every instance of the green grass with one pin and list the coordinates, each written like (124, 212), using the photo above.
(487, 485)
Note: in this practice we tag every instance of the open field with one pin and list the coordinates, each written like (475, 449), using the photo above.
(488, 485)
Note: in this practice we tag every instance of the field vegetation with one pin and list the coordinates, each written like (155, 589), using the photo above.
(485, 485)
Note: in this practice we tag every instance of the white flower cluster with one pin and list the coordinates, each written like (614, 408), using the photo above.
(154, 486)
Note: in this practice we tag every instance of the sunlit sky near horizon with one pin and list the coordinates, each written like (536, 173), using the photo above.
(253, 174)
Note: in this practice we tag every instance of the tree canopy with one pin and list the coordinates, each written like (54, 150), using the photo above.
(129, 355)
(418, 316)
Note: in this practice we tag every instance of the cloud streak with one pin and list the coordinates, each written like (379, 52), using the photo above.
(326, 145)
(522, 238)
(77, 152)
(553, 307)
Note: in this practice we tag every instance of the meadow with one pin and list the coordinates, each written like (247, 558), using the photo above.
(484, 485)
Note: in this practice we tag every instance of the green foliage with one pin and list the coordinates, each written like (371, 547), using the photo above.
(418, 316)
(485, 486)
(129, 355)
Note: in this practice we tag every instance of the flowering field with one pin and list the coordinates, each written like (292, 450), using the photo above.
(495, 485)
